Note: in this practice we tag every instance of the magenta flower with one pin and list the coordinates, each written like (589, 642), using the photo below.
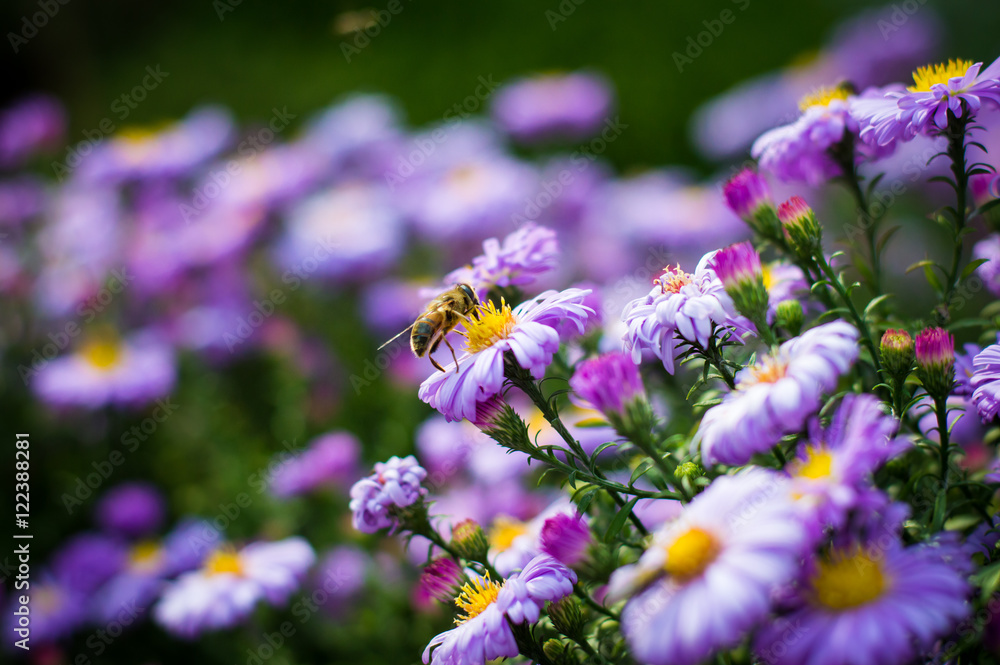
(566, 538)
(706, 580)
(777, 395)
(986, 382)
(747, 194)
(958, 87)
(834, 469)
(608, 383)
(442, 579)
(935, 352)
(523, 256)
(553, 105)
(737, 266)
(394, 484)
(528, 331)
(681, 307)
(894, 602)
(491, 607)
(229, 585)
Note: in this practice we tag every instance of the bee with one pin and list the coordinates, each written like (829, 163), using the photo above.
(440, 318)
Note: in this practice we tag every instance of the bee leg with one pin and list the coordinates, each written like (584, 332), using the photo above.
(453, 356)
(435, 363)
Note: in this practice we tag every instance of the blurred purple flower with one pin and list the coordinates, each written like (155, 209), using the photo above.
(524, 255)
(32, 125)
(131, 509)
(87, 561)
(330, 459)
(564, 106)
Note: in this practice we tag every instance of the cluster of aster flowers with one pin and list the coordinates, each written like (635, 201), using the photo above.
(786, 471)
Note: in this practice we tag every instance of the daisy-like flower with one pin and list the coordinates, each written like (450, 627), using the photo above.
(776, 395)
(986, 382)
(106, 370)
(957, 88)
(524, 255)
(553, 105)
(892, 602)
(491, 607)
(528, 331)
(681, 307)
(832, 470)
(707, 577)
(330, 459)
(394, 484)
(230, 584)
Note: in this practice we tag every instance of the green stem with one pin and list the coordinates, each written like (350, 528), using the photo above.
(780, 455)
(594, 605)
(859, 321)
(844, 153)
(956, 153)
(941, 408)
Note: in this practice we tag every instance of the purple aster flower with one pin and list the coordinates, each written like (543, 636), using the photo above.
(21, 198)
(358, 135)
(776, 395)
(836, 465)
(524, 255)
(268, 179)
(608, 383)
(32, 125)
(491, 607)
(442, 579)
(893, 602)
(350, 231)
(986, 382)
(87, 561)
(964, 369)
(105, 370)
(706, 579)
(394, 484)
(331, 458)
(56, 611)
(528, 331)
(229, 585)
(681, 307)
(566, 106)
(131, 509)
(566, 538)
(989, 248)
(957, 88)
(170, 152)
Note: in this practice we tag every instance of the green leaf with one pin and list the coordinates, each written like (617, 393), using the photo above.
(587, 423)
(586, 500)
(988, 579)
(969, 269)
(880, 246)
(707, 403)
(640, 471)
(919, 264)
(986, 207)
(932, 279)
(875, 303)
(618, 521)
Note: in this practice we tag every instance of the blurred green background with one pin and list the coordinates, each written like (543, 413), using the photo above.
(254, 56)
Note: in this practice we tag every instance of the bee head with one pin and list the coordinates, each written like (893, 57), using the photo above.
(470, 293)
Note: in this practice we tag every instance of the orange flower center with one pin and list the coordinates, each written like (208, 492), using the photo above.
(224, 561)
(673, 279)
(691, 554)
(846, 580)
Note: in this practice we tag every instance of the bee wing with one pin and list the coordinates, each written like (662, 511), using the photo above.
(401, 333)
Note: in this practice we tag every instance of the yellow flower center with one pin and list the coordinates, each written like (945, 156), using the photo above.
(817, 464)
(767, 370)
(847, 580)
(475, 597)
(487, 325)
(504, 531)
(768, 276)
(823, 96)
(145, 555)
(673, 279)
(224, 561)
(925, 77)
(102, 354)
(691, 553)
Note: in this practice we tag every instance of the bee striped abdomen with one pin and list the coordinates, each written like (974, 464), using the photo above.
(422, 332)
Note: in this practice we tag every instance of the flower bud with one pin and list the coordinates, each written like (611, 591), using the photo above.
(469, 540)
(738, 267)
(748, 195)
(897, 353)
(566, 538)
(567, 617)
(689, 470)
(557, 652)
(789, 315)
(442, 579)
(935, 353)
(611, 384)
(803, 232)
